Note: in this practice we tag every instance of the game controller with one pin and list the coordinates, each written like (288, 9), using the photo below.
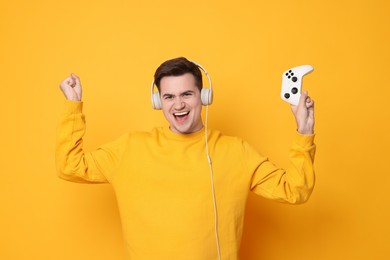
(292, 83)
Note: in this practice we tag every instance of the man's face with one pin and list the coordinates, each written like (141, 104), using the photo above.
(181, 103)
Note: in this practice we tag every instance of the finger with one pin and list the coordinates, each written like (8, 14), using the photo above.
(311, 111)
(66, 82)
(303, 99)
(309, 102)
(76, 79)
(310, 108)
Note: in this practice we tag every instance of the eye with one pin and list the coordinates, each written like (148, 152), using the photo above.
(168, 97)
(187, 94)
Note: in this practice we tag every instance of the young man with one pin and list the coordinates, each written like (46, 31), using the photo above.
(168, 206)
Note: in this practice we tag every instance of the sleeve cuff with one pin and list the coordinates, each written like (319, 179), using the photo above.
(304, 140)
(73, 106)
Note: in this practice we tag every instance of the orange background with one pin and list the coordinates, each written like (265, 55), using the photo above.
(115, 47)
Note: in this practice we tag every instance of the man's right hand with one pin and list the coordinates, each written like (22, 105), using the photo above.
(71, 87)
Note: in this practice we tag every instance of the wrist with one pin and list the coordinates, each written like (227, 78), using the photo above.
(308, 131)
(305, 129)
(74, 99)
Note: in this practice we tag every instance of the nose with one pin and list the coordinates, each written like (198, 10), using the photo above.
(179, 103)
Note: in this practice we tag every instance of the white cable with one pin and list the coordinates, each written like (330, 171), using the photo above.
(212, 187)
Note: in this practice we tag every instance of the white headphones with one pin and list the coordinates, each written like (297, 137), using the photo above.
(206, 94)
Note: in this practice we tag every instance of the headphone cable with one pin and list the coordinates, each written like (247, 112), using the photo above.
(212, 187)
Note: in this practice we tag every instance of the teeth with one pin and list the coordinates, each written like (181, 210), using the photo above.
(181, 113)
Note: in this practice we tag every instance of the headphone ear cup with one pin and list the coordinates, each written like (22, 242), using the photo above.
(156, 101)
(206, 96)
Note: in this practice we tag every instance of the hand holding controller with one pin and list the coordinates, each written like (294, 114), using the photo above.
(292, 83)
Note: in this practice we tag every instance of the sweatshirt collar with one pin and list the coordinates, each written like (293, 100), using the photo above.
(183, 137)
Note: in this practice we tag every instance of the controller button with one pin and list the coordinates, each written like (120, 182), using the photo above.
(294, 79)
(287, 96)
(294, 90)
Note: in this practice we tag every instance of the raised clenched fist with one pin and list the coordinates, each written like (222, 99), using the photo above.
(71, 87)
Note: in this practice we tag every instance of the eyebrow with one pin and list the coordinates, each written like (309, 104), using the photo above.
(183, 93)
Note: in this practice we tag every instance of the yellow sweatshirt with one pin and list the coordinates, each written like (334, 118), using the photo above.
(163, 186)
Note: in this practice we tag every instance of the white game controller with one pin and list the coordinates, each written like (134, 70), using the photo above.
(292, 83)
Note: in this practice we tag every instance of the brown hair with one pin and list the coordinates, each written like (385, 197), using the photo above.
(178, 67)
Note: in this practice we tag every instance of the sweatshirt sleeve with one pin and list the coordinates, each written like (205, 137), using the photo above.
(72, 163)
(291, 185)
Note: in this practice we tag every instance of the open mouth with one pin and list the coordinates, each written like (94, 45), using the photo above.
(181, 116)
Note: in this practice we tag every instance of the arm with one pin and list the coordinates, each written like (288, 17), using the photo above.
(291, 185)
(294, 184)
(73, 164)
